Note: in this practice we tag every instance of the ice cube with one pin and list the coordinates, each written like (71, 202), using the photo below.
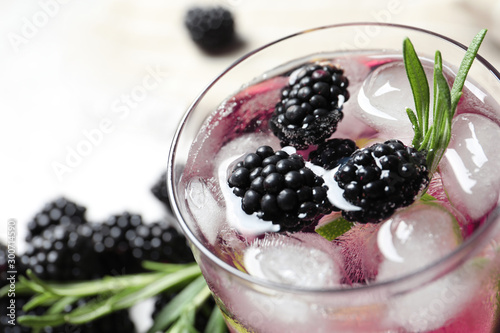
(414, 238)
(431, 306)
(411, 240)
(470, 166)
(384, 97)
(205, 208)
(293, 260)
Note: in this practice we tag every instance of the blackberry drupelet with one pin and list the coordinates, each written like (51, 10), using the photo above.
(381, 178)
(210, 27)
(58, 212)
(160, 191)
(310, 106)
(63, 253)
(278, 187)
(159, 242)
(331, 153)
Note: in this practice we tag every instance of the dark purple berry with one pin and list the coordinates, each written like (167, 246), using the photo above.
(160, 191)
(58, 212)
(333, 152)
(283, 190)
(210, 27)
(381, 178)
(311, 105)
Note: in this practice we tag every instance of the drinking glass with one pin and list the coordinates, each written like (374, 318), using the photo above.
(457, 293)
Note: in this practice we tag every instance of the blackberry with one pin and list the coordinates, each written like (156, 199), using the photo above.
(331, 153)
(210, 27)
(63, 253)
(124, 241)
(381, 178)
(111, 240)
(160, 191)
(310, 106)
(58, 212)
(159, 242)
(18, 267)
(278, 187)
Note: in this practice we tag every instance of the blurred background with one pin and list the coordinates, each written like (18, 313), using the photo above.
(91, 91)
(76, 119)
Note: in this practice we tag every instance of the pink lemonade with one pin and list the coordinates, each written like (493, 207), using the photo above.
(422, 268)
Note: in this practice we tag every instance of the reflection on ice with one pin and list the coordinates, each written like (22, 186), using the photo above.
(470, 165)
(291, 260)
(414, 238)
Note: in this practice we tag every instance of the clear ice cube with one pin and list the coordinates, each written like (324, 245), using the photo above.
(411, 240)
(432, 305)
(383, 99)
(293, 260)
(414, 238)
(470, 166)
(204, 207)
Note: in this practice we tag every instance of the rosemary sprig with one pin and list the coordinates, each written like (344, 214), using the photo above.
(431, 137)
(434, 138)
(115, 293)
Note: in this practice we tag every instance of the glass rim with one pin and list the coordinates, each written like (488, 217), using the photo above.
(454, 258)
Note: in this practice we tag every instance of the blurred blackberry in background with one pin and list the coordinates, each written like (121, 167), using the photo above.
(160, 191)
(210, 27)
(116, 246)
(19, 268)
(125, 241)
(63, 246)
(63, 253)
(159, 242)
(58, 212)
(111, 242)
